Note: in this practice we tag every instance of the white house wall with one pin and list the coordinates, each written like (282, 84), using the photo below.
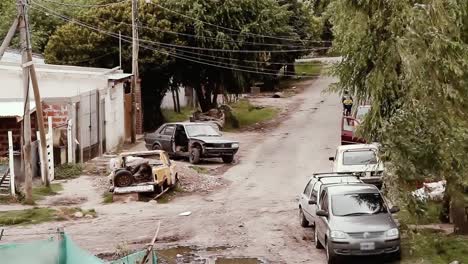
(53, 83)
(114, 116)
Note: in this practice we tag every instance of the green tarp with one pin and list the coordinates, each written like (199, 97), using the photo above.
(55, 251)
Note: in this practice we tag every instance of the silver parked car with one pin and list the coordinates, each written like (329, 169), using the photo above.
(309, 198)
(355, 220)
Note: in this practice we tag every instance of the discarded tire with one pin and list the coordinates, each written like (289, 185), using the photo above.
(123, 178)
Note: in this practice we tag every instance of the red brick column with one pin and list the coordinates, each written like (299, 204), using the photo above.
(139, 108)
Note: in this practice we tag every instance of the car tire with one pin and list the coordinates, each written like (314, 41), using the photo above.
(302, 220)
(317, 241)
(156, 147)
(332, 258)
(228, 159)
(123, 178)
(194, 156)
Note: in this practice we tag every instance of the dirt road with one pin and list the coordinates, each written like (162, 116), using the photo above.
(255, 216)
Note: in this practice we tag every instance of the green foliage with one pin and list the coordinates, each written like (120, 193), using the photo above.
(308, 68)
(40, 192)
(171, 116)
(410, 61)
(434, 248)
(28, 216)
(248, 114)
(68, 171)
(420, 213)
(198, 169)
(108, 197)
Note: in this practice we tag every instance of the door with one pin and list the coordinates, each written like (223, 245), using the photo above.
(321, 225)
(312, 209)
(304, 200)
(166, 138)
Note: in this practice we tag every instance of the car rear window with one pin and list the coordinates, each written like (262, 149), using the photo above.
(359, 157)
(339, 179)
(357, 204)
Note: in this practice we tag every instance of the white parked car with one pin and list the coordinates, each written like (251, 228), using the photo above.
(361, 159)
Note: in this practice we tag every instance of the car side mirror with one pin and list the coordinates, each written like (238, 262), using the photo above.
(322, 213)
(313, 200)
(394, 209)
(331, 158)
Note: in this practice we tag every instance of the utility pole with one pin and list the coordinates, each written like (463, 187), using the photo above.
(134, 67)
(21, 23)
(120, 50)
(26, 117)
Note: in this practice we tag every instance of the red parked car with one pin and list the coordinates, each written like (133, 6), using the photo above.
(348, 128)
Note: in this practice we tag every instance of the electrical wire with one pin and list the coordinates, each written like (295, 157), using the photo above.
(217, 26)
(126, 39)
(144, 26)
(85, 5)
(210, 49)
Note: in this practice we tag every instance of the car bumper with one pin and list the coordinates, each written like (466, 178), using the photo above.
(217, 152)
(353, 248)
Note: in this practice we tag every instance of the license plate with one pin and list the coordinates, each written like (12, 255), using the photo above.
(368, 246)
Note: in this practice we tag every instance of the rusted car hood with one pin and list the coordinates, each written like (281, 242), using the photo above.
(216, 140)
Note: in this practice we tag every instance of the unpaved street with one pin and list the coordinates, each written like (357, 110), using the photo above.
(255, 216)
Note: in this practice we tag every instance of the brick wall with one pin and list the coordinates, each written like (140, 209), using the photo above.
(10, 124)
(58, 112)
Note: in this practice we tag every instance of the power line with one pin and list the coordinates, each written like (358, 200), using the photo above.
(225, 28)
(212, 49)
(186, 58)
(143, 26)
(85, 5)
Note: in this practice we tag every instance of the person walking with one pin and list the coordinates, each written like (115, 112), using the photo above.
(347, 101)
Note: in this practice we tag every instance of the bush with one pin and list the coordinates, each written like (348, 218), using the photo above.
(68, 171)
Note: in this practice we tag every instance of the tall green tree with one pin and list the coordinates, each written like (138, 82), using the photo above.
(410, 59)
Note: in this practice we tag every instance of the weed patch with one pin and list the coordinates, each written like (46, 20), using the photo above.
(248, 114)
(68, 171)
(107, 197)
(40, 192)
(172, 116)
(200, 170)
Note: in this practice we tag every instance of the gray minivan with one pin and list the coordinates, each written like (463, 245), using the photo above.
(309, 198)
(355, 220)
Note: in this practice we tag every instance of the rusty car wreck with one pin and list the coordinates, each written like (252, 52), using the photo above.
(142, 172)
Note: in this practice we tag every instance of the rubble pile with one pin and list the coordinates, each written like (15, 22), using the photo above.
(192, 181)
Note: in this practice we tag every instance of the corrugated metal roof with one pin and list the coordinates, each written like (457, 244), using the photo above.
(14, 109)
(118, 76)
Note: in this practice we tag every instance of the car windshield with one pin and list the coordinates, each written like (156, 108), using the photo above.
(339, 179)
(357, 204)
(349, 124)
(361, 112)
(359, 157)
(201, 130)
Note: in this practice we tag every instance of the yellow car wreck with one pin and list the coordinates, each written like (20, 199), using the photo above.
(142, 172)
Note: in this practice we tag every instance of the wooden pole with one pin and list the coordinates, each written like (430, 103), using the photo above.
(6, 42)
(26, 116)
(40, 118)
(150, 246)
(11, 158)
(134, 67)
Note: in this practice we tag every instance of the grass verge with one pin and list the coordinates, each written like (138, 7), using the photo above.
(39, 215)
(430, 247)
(308, 68)
(428, 213)
(40, 192)
(107, 197)
(68, 171)
(248, 114)
(172, 116)
(198, 169)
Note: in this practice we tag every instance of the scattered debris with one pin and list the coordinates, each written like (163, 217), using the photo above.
(278, 95)
(185, 213)
(78, 214)
(433, 191)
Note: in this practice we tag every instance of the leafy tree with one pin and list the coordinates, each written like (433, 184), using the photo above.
(81, 45)
(42, 25)
(410, 60)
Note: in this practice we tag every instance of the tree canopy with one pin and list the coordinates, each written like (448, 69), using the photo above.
(410, 60)
(212, 46)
